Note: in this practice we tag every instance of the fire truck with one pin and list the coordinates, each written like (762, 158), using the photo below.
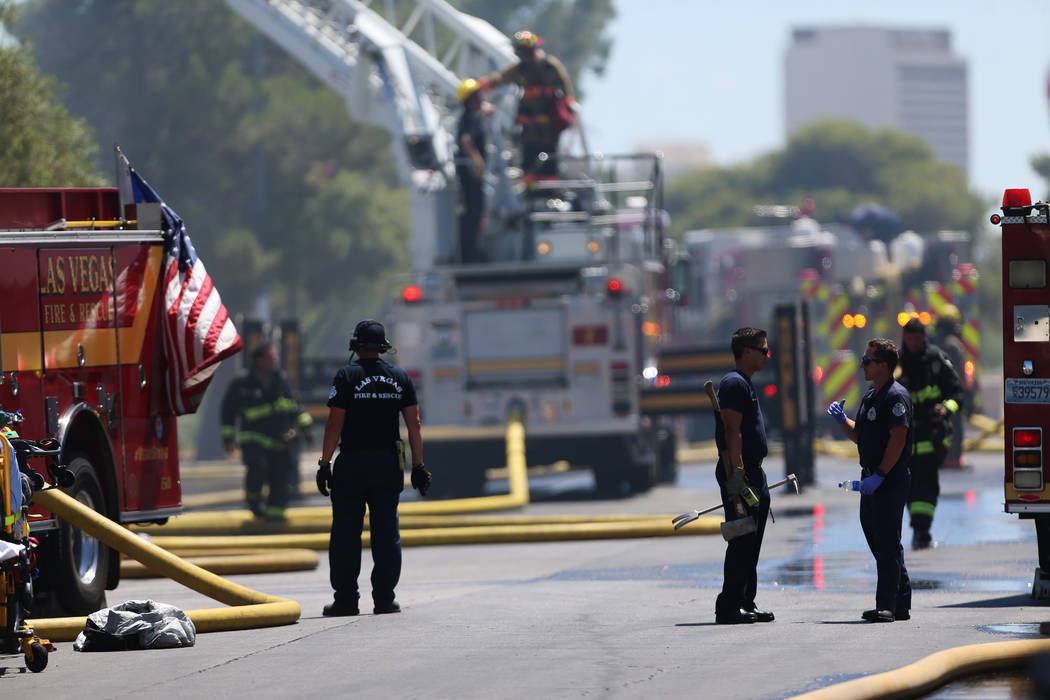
(1026, 368)
(560, 333)
(80, 357)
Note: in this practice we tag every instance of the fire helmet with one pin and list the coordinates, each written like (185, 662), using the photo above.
(526, 39)
(467, 89)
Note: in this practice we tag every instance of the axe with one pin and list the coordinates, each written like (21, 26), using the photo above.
(729, 529)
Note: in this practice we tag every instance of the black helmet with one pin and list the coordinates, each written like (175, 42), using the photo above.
(369, 335)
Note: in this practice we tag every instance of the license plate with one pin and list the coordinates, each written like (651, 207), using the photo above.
(1027, 391)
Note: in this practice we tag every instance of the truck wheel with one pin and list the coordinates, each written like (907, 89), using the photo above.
(82, 565)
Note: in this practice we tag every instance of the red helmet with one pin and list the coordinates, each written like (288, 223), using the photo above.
(524, 39)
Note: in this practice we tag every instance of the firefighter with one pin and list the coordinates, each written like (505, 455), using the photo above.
(744, 445)
(936, 392)
(883, 433)
(263, 416)
(948, 337)
(367, 397)
(470, 169)
(546, 106)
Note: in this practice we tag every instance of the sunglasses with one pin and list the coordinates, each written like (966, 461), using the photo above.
(764, 351)
(865, 361)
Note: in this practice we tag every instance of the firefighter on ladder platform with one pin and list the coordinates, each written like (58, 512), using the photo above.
(546, 106)
(936, 392)
(270, 419)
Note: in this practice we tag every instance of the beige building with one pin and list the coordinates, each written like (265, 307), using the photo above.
(907, 79)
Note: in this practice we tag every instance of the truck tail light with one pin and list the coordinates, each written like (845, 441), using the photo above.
(411, 294)
(770, 390)
(1028, 459)
(614, 287)
(1028, 437)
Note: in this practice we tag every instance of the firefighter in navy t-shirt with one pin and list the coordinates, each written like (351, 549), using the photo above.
(883, 433)
(744, 446)
(365, 402)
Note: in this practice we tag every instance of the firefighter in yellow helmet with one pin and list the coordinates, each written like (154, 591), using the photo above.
(470, 169)
(546, 106)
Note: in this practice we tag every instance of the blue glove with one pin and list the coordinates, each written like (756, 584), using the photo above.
(836, 411)
(868, 485)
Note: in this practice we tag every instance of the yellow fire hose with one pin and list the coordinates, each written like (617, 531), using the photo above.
(239, 561)
(919, 678)
(253, 609)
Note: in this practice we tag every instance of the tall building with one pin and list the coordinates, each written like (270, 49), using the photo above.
(907, 79)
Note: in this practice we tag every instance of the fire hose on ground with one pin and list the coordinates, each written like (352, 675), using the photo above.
(251, 609)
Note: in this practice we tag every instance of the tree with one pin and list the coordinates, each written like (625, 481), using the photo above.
(41, 145)
(840, 165)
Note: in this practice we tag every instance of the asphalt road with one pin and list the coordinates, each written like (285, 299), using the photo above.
(630, 618)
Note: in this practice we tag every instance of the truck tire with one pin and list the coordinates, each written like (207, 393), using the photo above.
(81, 567)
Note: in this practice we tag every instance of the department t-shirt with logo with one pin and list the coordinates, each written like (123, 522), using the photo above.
(372, 392)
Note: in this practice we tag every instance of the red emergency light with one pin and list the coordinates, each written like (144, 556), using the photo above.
(662, 381)
(1018, 197)
(614, 286)
(770, 390)
(411, 294)
(1027, 437)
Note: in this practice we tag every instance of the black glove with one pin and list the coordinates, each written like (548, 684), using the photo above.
(324, 476)
(420, 479)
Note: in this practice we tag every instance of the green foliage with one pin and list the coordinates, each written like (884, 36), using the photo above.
(40, 143)
(840, 165)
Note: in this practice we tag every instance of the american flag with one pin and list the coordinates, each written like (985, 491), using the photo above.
(198, 333)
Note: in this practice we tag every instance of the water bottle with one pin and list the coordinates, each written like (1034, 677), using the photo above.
(850, 485)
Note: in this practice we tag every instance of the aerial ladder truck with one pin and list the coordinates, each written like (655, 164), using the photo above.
(561, 326)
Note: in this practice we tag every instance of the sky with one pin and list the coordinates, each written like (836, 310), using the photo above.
(710, 72)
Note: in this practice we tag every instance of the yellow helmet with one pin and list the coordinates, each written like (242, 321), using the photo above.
(525, 39)
(468, 87)
(950, 313)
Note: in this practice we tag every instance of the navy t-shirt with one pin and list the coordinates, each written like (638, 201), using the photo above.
(470, 123)
(738, 393)
(372, 392)
(879, 411)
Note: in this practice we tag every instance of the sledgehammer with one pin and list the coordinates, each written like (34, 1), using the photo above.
(731, 529)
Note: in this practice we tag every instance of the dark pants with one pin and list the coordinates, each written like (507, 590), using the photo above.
(925, 488)
(881, 517)
(270, 467)
(740, 572)
(375, 480)
(530, 158)
(473, 201)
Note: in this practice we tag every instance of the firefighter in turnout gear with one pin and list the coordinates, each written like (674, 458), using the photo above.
(546, 106)
(263, 416)
(936, 393)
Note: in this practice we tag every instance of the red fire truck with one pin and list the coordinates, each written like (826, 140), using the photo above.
(1026, 367)
(81, 351)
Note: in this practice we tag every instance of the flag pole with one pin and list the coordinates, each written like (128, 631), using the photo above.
(117, 179)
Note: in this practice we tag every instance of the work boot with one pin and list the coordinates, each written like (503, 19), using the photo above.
(921, 539)
(257, 509)
(736, 617)
(340, 609)
(902, 615)
(274, 513)
(878, 616)
(386, 608)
